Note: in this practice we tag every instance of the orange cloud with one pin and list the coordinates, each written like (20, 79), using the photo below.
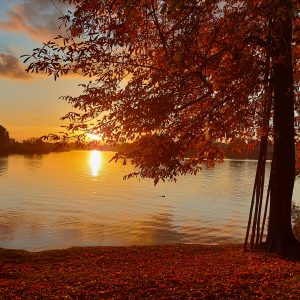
(36, 18)
(11, 67)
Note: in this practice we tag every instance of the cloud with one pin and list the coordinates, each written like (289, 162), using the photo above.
(11, 67)
(36, 18)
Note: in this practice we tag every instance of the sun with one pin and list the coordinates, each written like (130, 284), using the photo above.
(94, 137)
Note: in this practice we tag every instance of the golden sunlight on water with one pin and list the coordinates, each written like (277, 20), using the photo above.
(78, 198)
(95, 161)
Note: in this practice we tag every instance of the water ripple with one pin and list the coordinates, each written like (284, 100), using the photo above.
(61, 200)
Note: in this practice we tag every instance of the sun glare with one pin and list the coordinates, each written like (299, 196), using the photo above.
(94, 137)
(95, 162)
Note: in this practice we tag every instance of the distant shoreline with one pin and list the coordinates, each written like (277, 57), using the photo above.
(41, 152)
(233, 150)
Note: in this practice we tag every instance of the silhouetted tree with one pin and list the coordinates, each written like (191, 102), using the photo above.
(4, 135)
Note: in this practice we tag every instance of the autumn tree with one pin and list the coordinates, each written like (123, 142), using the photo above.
(176, 77)
(280, 232)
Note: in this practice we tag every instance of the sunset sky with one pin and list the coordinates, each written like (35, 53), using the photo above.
(29, 104)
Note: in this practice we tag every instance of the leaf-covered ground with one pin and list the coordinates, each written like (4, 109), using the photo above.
(155, 272)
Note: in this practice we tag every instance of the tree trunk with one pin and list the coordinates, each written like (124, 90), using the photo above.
(280, 235)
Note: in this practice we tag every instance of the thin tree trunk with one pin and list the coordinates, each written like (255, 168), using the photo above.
(280, 235)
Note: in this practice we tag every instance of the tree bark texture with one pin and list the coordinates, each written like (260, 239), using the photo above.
(280, 234)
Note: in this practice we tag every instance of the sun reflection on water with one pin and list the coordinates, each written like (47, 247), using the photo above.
(95, 162)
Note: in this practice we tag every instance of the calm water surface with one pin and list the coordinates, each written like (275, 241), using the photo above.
(78, 198)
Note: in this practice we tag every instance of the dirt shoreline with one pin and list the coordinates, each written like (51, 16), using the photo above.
(148, 272)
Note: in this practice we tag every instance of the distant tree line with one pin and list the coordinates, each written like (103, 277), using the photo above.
(239, 149)
(236, 149)
(28, 146)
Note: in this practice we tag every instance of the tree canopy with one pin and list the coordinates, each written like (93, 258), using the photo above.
(166, 74)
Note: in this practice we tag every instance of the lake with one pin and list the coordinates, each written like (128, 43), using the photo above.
(78, 198)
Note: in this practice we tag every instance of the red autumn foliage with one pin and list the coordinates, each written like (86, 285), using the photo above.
(155, 272)
(174, 72)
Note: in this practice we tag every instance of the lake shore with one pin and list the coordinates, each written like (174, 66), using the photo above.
(148, 272)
